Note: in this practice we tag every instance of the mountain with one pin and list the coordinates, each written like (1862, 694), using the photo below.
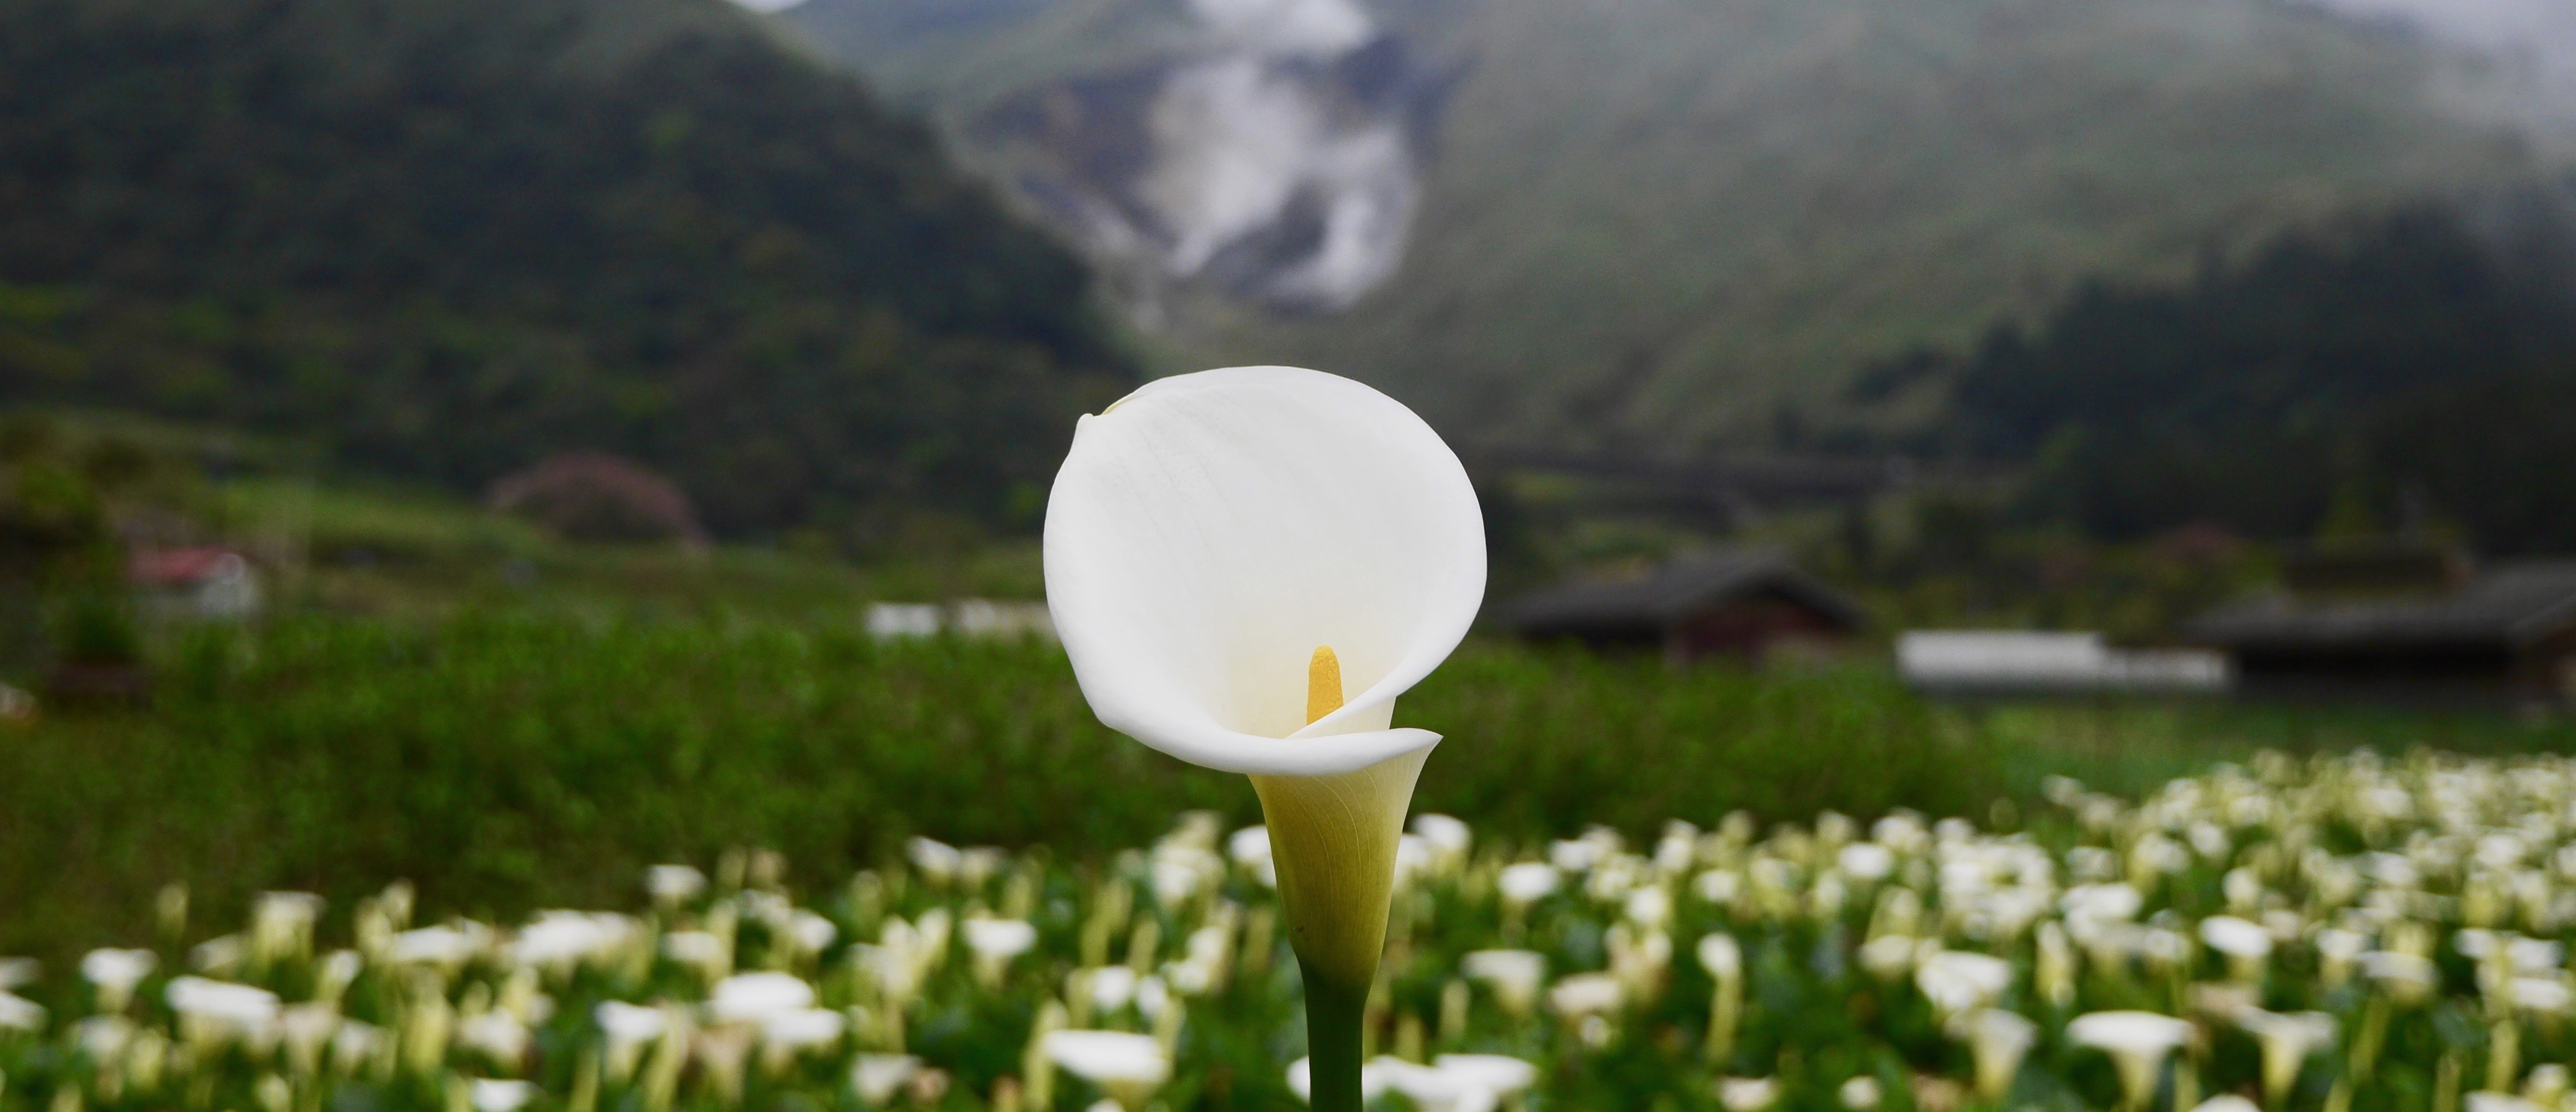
(445, 239)
(2393, 373)
(1661, 222)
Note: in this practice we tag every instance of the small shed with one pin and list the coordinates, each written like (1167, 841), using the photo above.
(2509, 633)
(210, 583)
(1744, 603)
(2018, 662)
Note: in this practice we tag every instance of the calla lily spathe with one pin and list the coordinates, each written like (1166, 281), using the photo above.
(1210, 531)
(1247, 566)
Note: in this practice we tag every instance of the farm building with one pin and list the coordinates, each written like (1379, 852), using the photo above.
(2018, 662)
(204, 582)
(1742, 603)
(2508, 633)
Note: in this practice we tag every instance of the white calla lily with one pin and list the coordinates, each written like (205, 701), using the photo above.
(1247, 566)
(1210, 531)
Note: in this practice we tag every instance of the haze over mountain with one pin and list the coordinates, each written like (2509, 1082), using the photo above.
(1656, 222)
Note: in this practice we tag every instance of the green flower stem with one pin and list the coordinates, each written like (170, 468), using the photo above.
(1332, 839)
(1333, 1026)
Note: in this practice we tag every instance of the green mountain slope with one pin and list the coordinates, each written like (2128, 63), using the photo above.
(1665, 219)
(447, 239)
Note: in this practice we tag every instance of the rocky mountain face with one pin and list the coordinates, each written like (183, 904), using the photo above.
(1668, 222)
(1270, 150)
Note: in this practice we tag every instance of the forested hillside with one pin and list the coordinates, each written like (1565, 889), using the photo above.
(1656, 223)
(446, 239)
(2411, 370)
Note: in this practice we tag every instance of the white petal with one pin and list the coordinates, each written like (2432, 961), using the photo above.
(1210, 531)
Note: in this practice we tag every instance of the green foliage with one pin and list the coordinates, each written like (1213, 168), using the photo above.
(446, 240)
(2403, 372)
(500, 759)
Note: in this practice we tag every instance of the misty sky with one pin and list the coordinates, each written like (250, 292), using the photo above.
(2531, 43)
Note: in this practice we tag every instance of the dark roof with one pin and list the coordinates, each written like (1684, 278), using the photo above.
(1675, 590)
(2511, 605)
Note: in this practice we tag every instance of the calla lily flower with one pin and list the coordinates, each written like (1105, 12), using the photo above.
(1997, 1041)
(1126, 1068)
(2286, 1042)
(1247, 567)
(2137, 1043)
(115, 973)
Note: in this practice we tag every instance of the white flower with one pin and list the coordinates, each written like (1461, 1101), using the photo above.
(754, 997)
(102, 1037)
(441, 945)
(994, 942)
(2408, 977)
(2544, 995)
(936, 859)
(2483, 1101)
(225, 1010)
(628, 1027)
(355, 1043)
(671, 885)
(1649, 907)
(1748, 1094)
(1576, 856)
(489, 1095)
(697, 948)
(1208, 532)
(1889, 956)
(1502, 1075)
(1866, 861)
(559, 940)
(1514, 975)
(2228, 1102)
(2239, 939)
(1720, 955)
(1448, 837)
(1249, 847)
(17, 1013)
(1430, 1089)
(878, 1076)
(1718, 886)
(1528, 881)
(2137, 1043)
(306, 1029)
(1587, 994)
(1127, 1067)
(2112, 902)
(626, 1023)
(801, 1029)
(1247, 567)
(1859, 1094)
(116, 972)
(1997, 1040)
(1111, 987)
(17, 973)
(495, 1033)
(1956, 981)
(811, 932)
(2286, 1042)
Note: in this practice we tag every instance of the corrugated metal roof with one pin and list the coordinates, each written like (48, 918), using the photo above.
(2513, 604)
(1673, 590)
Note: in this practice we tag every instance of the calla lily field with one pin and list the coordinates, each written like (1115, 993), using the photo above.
(2336, 933)
(1195, 857)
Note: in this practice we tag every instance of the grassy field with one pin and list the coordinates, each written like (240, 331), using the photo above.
(505, 759)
